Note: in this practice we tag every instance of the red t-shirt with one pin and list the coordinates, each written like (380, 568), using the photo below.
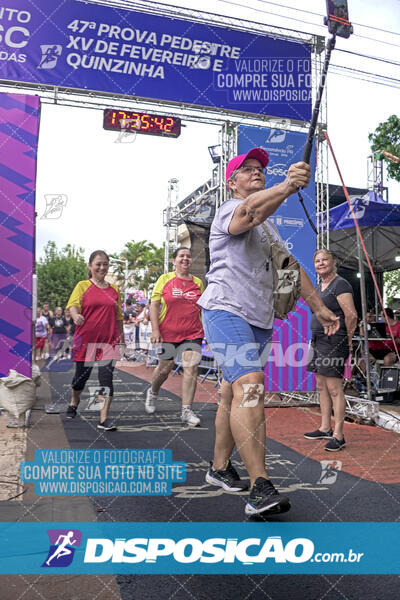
(387, 344)
(98, 337)
(180, 314)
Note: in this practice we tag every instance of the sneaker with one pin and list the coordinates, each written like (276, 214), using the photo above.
(227, 478)
(107, 425)
(318, 434)
(150, 403)
(190, 418)
(264, 497)
(334, 444)
(71, 412)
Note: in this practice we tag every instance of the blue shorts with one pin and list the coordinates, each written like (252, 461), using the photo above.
(239, 348)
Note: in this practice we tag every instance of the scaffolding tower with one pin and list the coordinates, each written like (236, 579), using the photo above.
(375, 175)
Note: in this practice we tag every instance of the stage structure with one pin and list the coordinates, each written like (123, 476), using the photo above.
(144, 57)
(375, 175)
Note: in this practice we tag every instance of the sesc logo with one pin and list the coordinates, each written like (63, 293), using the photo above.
(278, 170)
(62, 547)
(191, 550)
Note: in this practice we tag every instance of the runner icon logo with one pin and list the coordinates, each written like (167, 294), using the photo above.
(63, 543)
(329, 471)
(55, 204)
(50, 56)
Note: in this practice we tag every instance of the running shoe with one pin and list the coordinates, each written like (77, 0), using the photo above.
(264, 497)
(318, 434)
(190, 418)
(227, 478)
(71, 412)
(107, 425)
(150, 403)
(334, 444)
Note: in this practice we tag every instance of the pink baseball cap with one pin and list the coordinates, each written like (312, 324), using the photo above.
(236, 163)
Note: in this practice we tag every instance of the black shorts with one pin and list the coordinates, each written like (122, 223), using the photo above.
(170, 350)
(328, 355)
(105, 376)
(380, 353)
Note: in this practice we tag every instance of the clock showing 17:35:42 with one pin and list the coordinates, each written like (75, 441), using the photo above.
(147, 123)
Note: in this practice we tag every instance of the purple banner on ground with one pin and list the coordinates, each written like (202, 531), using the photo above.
(286, 368)
(19, 125)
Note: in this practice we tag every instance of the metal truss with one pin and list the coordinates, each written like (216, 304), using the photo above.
(205, 18)
(169, 223)
(283, 399)
(198, 198)
(375, 174)
(321, 149)
(363, 409)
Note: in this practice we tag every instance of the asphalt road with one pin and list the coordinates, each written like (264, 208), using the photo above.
(317, 493)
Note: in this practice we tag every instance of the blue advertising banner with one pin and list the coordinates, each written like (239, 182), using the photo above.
(199, 548)
(286, 368)
(94, 47)
(285, 148)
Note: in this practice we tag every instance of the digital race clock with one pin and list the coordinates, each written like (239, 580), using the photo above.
(126, 120)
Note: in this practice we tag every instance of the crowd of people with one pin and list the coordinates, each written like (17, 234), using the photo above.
(235, 312)
(53, 332)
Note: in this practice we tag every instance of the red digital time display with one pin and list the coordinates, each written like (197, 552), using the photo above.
(148, 123)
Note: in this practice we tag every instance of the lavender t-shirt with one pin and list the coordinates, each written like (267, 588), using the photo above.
(240, 278)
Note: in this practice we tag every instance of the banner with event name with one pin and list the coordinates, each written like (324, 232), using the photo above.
(95, 47)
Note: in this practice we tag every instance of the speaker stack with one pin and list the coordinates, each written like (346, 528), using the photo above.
(389, 385)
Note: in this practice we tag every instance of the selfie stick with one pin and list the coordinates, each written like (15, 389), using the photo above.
(335, 22)
(311, 130)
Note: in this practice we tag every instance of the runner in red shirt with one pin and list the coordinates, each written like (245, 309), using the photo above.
(385, 349)
(95, 307)
(177, 327)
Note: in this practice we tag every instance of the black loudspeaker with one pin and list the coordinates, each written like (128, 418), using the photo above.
(199, 238)
(389, 378)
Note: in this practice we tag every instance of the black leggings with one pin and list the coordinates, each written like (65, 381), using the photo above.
(82, 374)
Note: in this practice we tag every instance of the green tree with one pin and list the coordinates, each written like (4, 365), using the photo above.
(154, 268)
(386, 137)
(392, 285)
(58, 272)
(145, 264)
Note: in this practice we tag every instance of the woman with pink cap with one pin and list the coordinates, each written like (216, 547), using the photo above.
(238, 317)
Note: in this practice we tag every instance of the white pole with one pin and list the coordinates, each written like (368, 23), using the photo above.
(126, 280)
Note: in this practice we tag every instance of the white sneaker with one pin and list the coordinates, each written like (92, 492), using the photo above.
(150, 404)
(190, 418)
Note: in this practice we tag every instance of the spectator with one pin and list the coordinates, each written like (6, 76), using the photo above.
(46, 312)
(129, 312)
(41, 333)
(58, 325)
(388, 349)
(70, 325)
(328, 354)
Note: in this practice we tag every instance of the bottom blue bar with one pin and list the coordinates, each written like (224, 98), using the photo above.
(200, 548)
